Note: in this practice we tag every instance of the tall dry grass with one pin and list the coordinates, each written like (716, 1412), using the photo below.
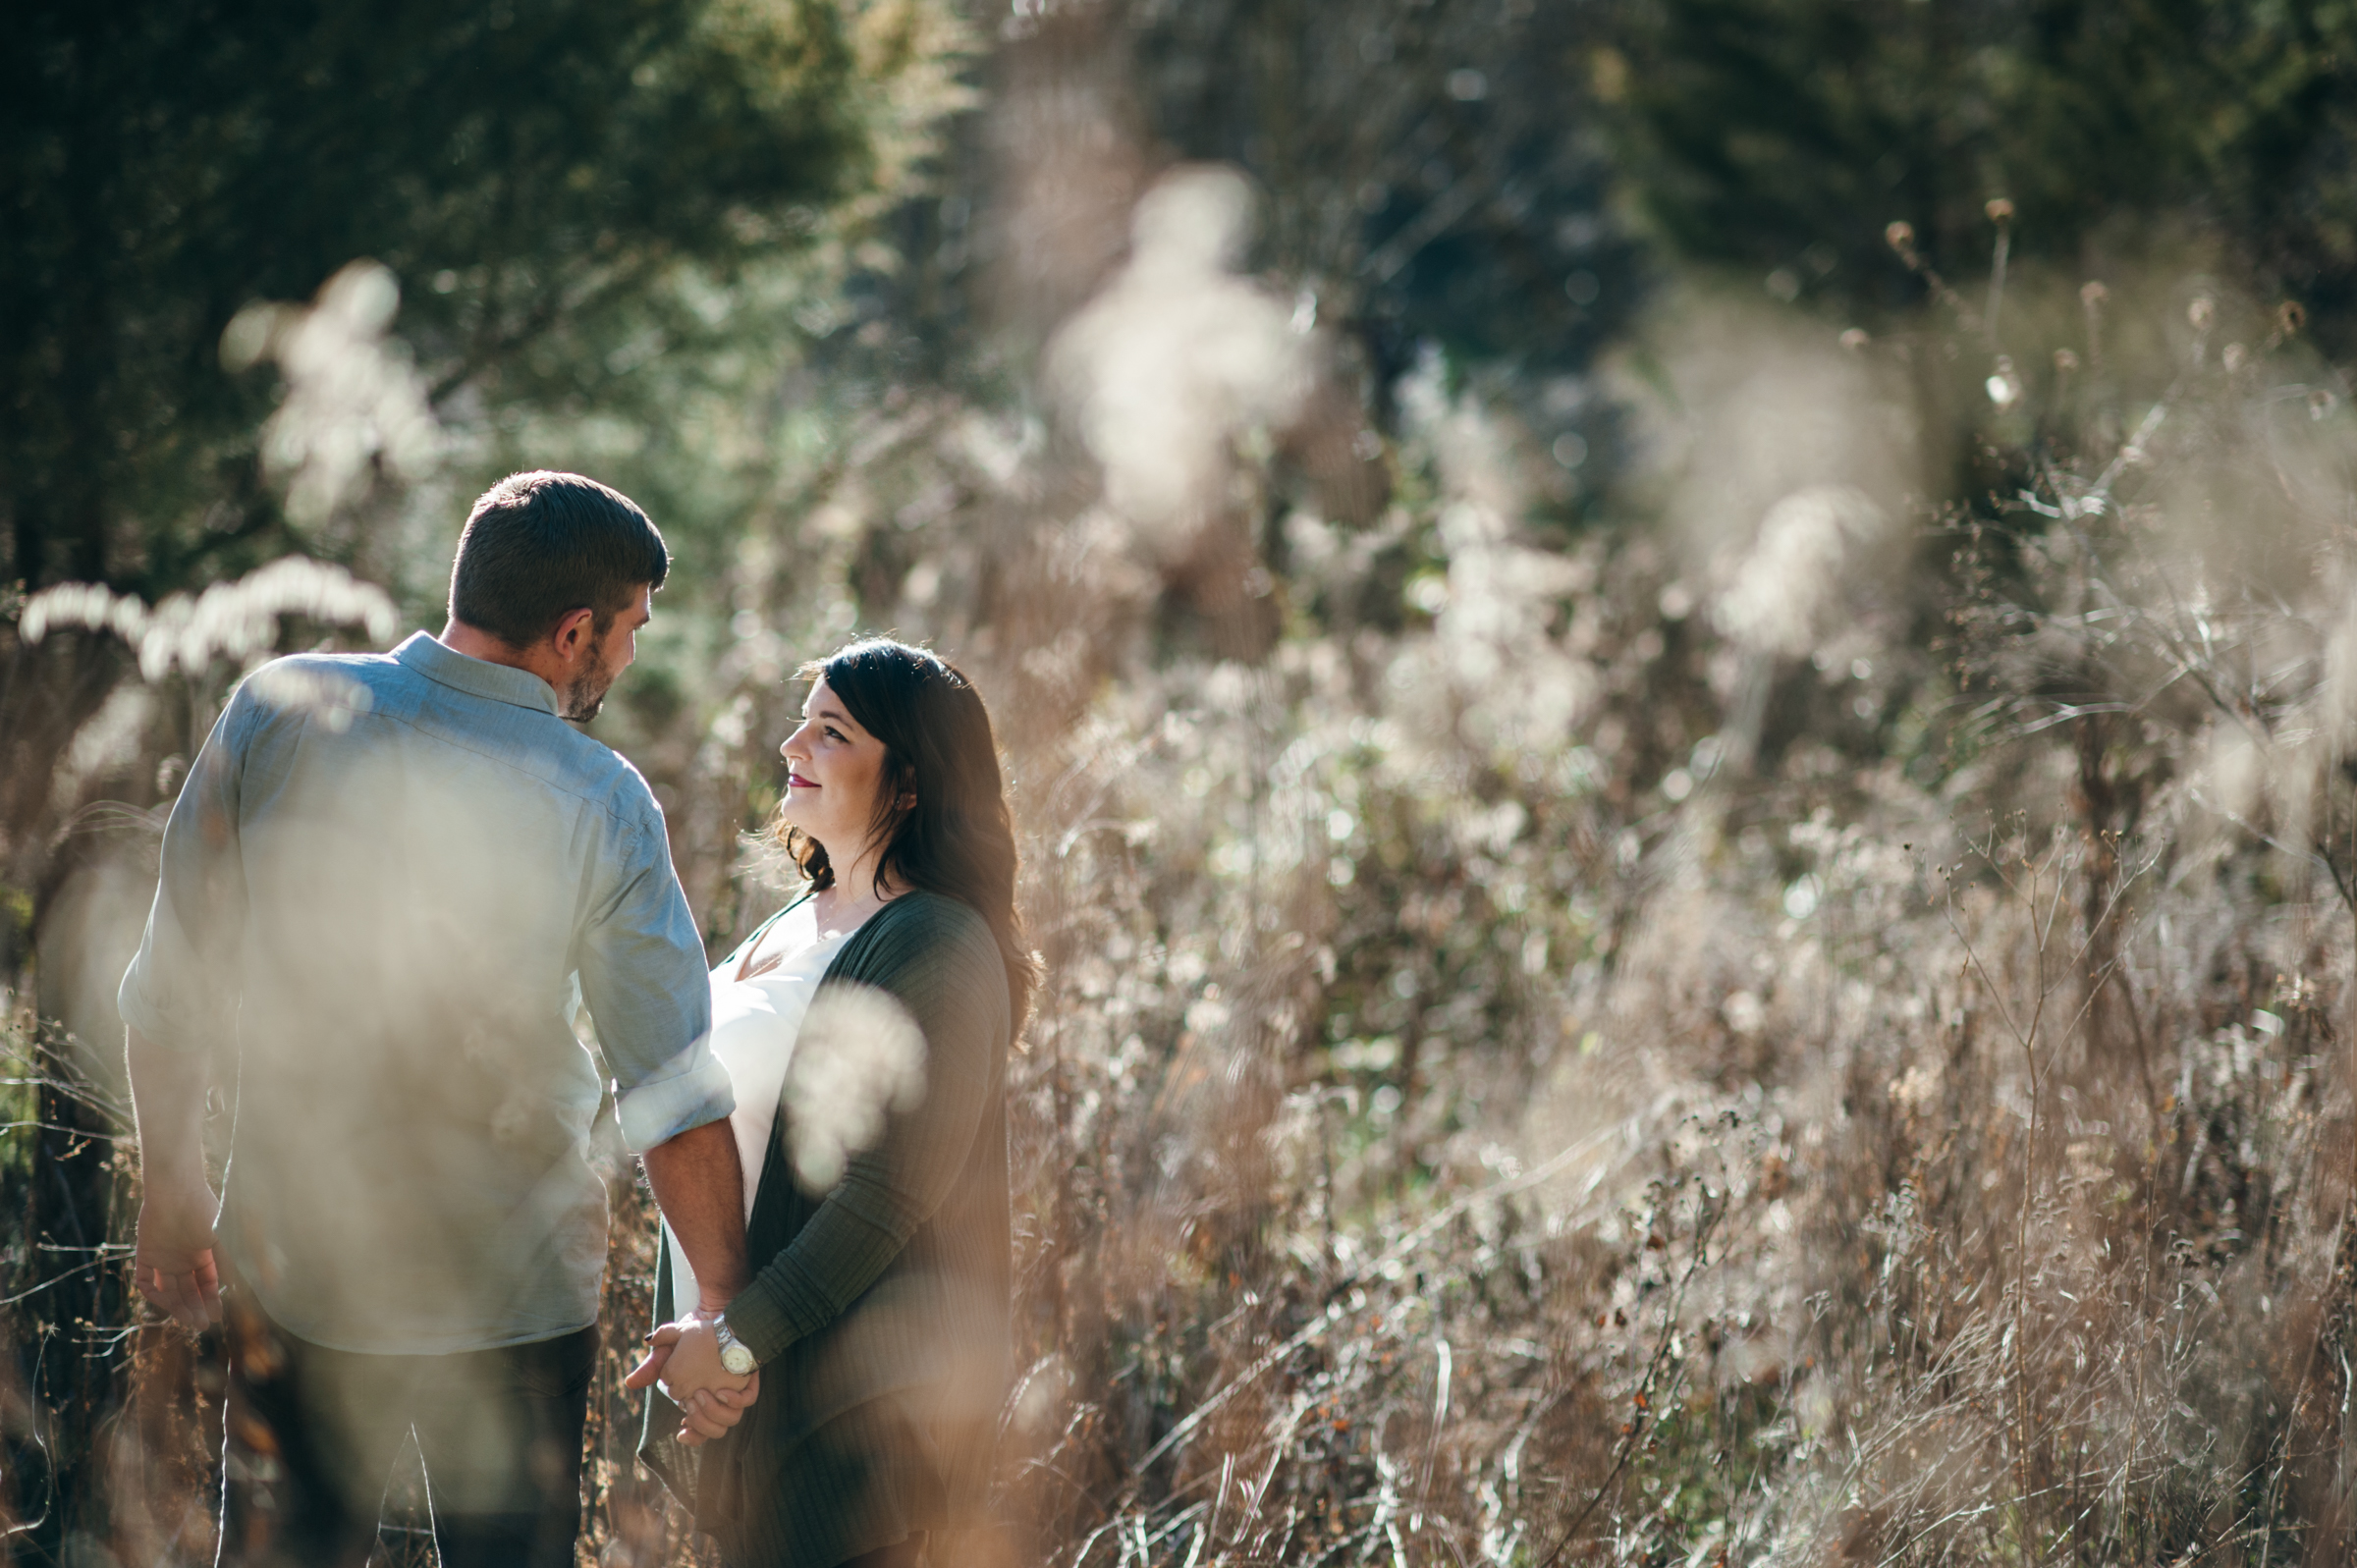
(1814, 1027)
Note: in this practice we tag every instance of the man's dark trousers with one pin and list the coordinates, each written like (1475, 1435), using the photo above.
(314, 1434)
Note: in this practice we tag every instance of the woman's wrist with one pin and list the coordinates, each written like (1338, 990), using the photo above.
(694, 1359)
(736, 1357)
(735, 1354)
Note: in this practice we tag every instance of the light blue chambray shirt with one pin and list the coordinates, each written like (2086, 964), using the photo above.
(389, 885)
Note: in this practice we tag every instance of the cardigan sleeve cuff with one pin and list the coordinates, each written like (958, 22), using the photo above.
(777, 1309)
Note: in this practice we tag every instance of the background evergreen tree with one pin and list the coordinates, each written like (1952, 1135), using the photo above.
(1782, 136)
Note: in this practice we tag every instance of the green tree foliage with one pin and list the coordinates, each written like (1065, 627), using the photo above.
(527, 169)
(1783, 134)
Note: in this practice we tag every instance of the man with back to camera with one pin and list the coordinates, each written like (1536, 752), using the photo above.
(388, 883)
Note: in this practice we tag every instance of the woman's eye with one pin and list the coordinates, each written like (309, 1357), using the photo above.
(834, 733)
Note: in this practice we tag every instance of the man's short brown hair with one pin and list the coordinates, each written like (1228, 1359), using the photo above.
(539, 546)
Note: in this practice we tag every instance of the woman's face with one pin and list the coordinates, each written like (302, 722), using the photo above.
(833, 769)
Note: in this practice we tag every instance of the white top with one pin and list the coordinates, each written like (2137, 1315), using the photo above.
(754, 1023)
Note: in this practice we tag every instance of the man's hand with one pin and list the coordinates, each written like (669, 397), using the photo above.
(684, 1357)
(173, 1264)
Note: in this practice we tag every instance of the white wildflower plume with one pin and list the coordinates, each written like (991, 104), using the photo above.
(1493, 661)
(1179, 359)
(2276, 777)
(857, 1057)
(234, 619)
(2338, 692)
(1785, 458)
(1786, 588)
(353, 399)
(106, 739)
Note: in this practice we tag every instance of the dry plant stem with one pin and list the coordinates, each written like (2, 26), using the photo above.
(2091, 310)
(2118, 975)
(1642, 1398)
(1903, 240)
(2040, 882)
(1996, 279)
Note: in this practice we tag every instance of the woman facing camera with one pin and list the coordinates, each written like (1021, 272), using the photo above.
(865, 1027)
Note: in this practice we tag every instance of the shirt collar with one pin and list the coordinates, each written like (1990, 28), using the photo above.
(477, 678)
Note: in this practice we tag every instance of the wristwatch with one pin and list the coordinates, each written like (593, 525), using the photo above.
(735, 1354)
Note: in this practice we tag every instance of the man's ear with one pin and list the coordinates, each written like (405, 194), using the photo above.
(574, 633)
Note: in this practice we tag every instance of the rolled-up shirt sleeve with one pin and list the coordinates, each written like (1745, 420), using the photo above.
(183, 988)
(644, 980)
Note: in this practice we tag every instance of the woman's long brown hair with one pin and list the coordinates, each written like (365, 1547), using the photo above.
(941, 803)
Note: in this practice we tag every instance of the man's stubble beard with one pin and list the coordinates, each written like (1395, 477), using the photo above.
(584, 695)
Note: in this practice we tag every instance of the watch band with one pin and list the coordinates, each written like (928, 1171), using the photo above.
(735, 1354)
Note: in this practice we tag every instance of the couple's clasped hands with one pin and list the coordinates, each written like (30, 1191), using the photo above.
(173, 1269)
(685, 1358)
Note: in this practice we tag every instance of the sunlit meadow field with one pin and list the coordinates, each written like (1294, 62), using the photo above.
(1727, 946)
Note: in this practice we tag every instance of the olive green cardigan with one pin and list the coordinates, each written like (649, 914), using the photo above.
(879, 1310)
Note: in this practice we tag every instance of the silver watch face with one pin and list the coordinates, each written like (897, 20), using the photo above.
(735, 1354)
